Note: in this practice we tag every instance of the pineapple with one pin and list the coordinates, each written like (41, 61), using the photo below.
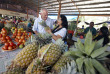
(69, 68)
(89, 56)
(16, 70)
(52, 54)
(47, 57)
(61, 63)
(25, 57)
(33, 68)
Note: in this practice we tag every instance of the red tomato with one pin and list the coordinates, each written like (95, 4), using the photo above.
(4, 41)
(3, 29)
(11, 44)
(8, 38)
(5, 47)
(14, 46)
(7, 44)
(4, 34)
(0, 35)
(18, 44)
(10, 48)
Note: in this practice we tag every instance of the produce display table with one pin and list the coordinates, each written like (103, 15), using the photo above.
(6, 57)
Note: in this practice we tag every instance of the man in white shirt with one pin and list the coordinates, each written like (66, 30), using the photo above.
(37, 28)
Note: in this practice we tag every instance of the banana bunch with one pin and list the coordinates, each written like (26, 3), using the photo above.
(88, 56)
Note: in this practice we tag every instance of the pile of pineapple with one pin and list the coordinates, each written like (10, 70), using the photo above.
(51, 58)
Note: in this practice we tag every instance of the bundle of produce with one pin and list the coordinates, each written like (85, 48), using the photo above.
(90, 56)
(3, 36)
(20, 36)
(48, 55)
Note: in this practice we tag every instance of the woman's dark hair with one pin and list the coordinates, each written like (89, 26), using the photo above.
(64, 21)
(104, 31)
(105, 34)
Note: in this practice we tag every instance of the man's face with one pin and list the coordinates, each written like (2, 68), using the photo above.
(91, 24)
(44, 15)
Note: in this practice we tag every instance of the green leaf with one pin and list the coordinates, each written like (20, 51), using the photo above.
(73, 54)
(98, 44)
(79, 63)
(103, 54)
(80, 45)
(99, 67)
(90, 48)
(98, 52)
(88, 41)
(89, 65)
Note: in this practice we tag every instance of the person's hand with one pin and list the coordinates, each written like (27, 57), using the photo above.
(49, 31)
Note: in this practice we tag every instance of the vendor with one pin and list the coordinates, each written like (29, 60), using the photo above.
(91, 28)
(103, 33)
(37, 28)
(61, 30)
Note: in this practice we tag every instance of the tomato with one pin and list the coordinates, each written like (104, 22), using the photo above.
(4, 35)
(3, 29)
(4, 41)
(20, 40)
(23, 41)
(8, 38)
(18, 44)
(22, 37)
(16, 39)
(11, 44)
(5, 47)
(7, 44)
(10, 48)
(0, 35)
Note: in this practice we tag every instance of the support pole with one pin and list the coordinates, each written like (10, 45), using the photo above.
(38, 9)
(59, 9)
(27, 13)
(77, 20)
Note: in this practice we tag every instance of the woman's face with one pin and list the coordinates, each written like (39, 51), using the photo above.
(100, 33)
(59, 21)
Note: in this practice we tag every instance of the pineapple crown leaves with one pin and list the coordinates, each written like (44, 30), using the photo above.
(43, 23)
(45, 35)
(69, 68)
(86, 54)
(61, 44)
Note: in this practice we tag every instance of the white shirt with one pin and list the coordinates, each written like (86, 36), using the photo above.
(40, 29)
(61, 32)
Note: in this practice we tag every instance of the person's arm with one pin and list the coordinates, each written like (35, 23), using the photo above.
(61, 34)
(35, 27)
(36, 32)
(55, 37)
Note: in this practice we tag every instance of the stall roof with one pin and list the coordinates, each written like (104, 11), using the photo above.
(68, 7)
